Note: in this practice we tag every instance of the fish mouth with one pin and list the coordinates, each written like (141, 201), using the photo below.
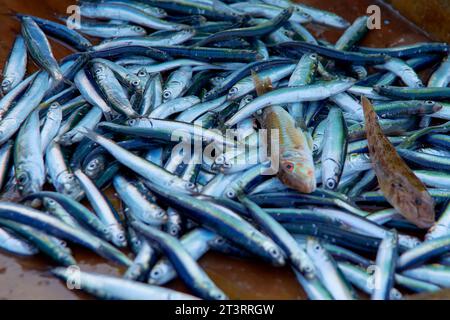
(299, 183)
(424, 222)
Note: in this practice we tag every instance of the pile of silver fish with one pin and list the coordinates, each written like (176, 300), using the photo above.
(226, 126)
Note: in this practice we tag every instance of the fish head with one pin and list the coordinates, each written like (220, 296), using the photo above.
(167, 95)
(419, 208)
(297, 171)
(140, 122)
(6, 85)
(139, 30)
(215, 293)
(276, 255)
(158, 273)
(142, 73)
(134, 82)
(99, 71)
(154, 215)
(210, 94)
(26, 182)
(187, 187)
(233, 93)
(50, 204)
(67, 184)
(315, 250)
(94, 167)
(118, 236)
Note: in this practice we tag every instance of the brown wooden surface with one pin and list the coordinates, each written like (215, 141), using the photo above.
(28, 278)
(431, 15)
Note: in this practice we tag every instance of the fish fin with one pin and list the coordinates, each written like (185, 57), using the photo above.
(261, 85)
(258, 83)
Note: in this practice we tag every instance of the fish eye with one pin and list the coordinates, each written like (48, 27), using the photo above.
(331, 184)
(429, 102)
(289, 166)
(160, 213)
(220, 240)
(137, 28)
(92, 165)
(156, 273)
(317, 247)
(174, 230)
(418, 202)
(6, 83)
(132, 122)
(142, 73)
(166, 94)
(274, 252)
(308, 269)
(231, 194)
(22, 179)
(233, 91)
(218, 296)
(190, 186)
(397, 295)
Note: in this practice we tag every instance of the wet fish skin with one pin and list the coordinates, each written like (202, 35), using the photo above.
(108, 287)
(39, 48)
(401, 187)
(15, 67)
(28, 156)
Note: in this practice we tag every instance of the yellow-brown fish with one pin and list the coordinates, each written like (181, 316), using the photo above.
(400, 186)
(295, 149)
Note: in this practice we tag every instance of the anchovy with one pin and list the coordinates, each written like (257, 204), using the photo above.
(194, 277)
(16, 66)
(39, 48)
(108, 287)
(102, 208)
